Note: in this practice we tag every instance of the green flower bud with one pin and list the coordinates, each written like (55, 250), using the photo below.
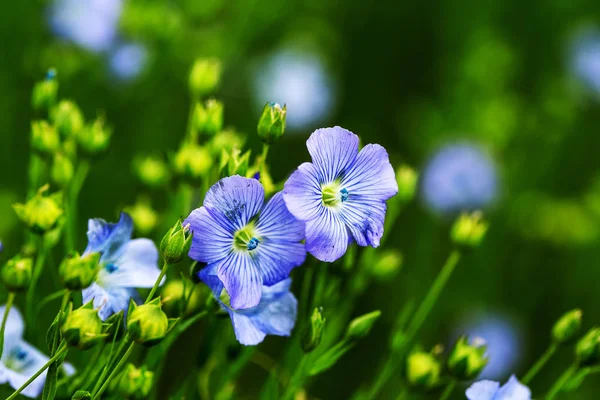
(78, 272)
(407, 179)
(313, 333)
(361, 326)
(271, 124)
(423, 370)
(175, 293)
(387, 265)
(16, 274)
(467, 360)
(44, 138)
(134, 383)
(176, 244)
(567, 327)
(226, 140)
(67, 119)
(62, 170)
(237, 163)
(44, 92)
(147, 324)
(192, 162)
(469, 229)
(93, 140)
(204, 77)
(83, 327)
(40, 213)
(151, 171)
(82, 395)
(208, 118)
(144, 216)
(587, 349)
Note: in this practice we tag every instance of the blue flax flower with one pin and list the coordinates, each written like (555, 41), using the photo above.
(248, 245)
(490, 390)
(340, 195)
(125, 264)
(275, 314)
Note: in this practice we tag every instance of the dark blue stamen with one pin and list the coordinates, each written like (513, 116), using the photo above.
(344, 193)
(272, 104)
(253, 243)
(110, 268)
(51, 74)
(21, 354)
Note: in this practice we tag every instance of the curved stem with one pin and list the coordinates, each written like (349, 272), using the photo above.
(48, 299)
(163, 272)
(114, 372)
(558, 385)
(448, 391)
(7, 307)
(539, 364)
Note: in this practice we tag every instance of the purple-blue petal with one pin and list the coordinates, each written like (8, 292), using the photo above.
(302, 192)
(242, 280)
(247, 332)
(332, 151)
(513, 390)
(109, 301)
(482, 390)
(371, 175)
(276, 259)
(277, 223)
(213, 236)
(327, 236)
(109, 238)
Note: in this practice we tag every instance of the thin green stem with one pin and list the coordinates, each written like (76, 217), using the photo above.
(88, 369)
(63, 350)
(114, 372)
(382, 378)
(539, 364)
(163, 272)
(263, 157)
(7, 307)
(448, 391)
(564, 378)
(48, 299)
(296, 379)
(305, 294)
(71, 210)
(37, 273)
(110, 361)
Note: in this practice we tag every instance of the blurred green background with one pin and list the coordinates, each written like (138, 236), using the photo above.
(507, 77)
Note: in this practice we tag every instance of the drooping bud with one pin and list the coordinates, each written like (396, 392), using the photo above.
(469, 229)
(44, 92)
(151, 171)
(78, 272)
(205, 76)
(134, 383)
(407, 179)
(40, 213)
(145, 218)
(16, 273)
(271, 124)
(176, 244)
(93, 140)
(360, 327)
(313, 333)
(237, 163)
(467, 358)
(62, 170)
(44, 138)
(567, 327)
(83, 327)
(387, 265)
(192, 162)
(423, 370)
(67, 119)
(587, 349)
(147, 324)
(208, 118)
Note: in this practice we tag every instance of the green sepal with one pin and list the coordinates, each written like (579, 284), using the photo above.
(82, 395)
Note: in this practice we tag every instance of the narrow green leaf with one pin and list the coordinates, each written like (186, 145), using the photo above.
(330, 357)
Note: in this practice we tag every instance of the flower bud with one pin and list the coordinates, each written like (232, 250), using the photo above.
(238, 163)
(587, 349)
(192, 162)
(467, 360)
(313, 333)
(147, 324)
(567, 327)
(271, 124)
(360, 327)
(144, 216)
(134, 383)
(62, 170)
(176, 244)
(407, 179)
(204, 77)
(78, 272)
(208, 118)
(175, 293)
(82, 395)
(16, 274)
(387, 265)
(151, 171)
(423, 370)
(94, 139)
(469, 229)
(44, 138)
(44, 92)
(83, 327)
(67, 119)
(40, 213)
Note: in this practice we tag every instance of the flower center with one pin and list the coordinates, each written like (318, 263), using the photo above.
(332, 195)
(110, 268)
(245, 239)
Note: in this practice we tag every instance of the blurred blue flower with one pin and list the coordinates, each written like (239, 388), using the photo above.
(340, 195)
(275, 314)
(125, 264)
(585, 59)
(91, 24)
(128, 60)
(248, 245)
(301, 82)
(459, 178)
(491, 390)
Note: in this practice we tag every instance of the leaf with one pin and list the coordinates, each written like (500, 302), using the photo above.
(52, 379)
(330, 357)
(53, 333)
(576, 380)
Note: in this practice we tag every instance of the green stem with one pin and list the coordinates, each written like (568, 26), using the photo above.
(7, 307)
(48, 299)
(163, 272)
(71, 210)
(37, 273)
(88, 369)
(296, 379)
(448, 391)
(263, 157)
(558, 385)
(63, 350)
(110, 361)
(305, 311)
(539, 364)
(114, 372)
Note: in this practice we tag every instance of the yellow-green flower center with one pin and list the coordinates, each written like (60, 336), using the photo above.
(246, 238)
(332, 194)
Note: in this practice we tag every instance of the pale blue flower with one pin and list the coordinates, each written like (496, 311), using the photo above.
(585, 59)
(341, 194)
(125, 264)
(491, 390)
(128, 60)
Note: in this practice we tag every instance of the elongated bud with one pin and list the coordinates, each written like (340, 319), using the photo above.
(62, 170)
(423, 370)
(44, 92)
(238, 163)
(361, 326)
(467, 358)
(469, 229)
(67, 119)
(192, 162)
(44, 138)
(145, 218)
(407, 179)
(176, 244)
(208, 118)
(40, 213)
(271, 124)
(205, 76)
(78, 272)
(567, 327)
(94, 139)
(83, 327)
(16, 273)
(134, 383)
(313, 333)
(151, 171)
(147, 324)
(387, 265)
(587, 349)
